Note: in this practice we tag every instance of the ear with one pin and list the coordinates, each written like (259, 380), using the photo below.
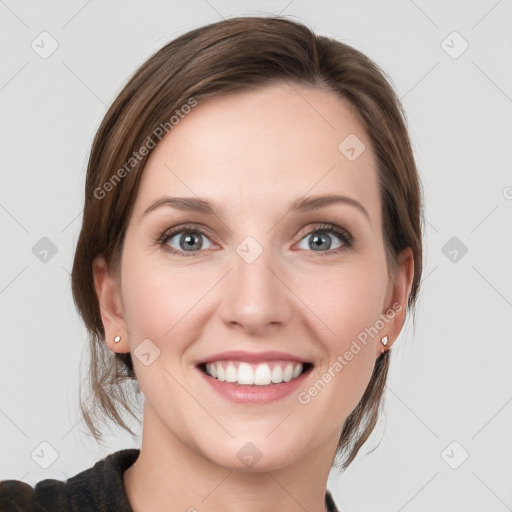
(108, 291)
(395, 306)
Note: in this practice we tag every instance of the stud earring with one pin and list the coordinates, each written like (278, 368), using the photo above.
(384, 340)
(117, 339)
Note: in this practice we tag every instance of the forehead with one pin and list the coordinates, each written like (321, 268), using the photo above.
(276, 143)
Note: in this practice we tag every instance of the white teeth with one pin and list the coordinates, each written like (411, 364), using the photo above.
(277, 374)
(245, 374)
(296, 371)
(259, 375)
(230, 373)
(288, 373)
(262, 375)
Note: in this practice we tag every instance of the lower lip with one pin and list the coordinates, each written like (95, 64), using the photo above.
(244, 394)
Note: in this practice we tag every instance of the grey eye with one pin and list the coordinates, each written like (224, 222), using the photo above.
(189, 241)
(320, 240)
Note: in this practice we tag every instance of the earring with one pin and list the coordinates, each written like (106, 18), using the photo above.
(117, 339)
(384, 340)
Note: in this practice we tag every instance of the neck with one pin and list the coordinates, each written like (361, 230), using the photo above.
(170, 471)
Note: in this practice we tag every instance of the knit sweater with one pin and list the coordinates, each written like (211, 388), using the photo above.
(96, 489)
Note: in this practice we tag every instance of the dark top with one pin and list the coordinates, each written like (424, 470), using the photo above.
(97, 489)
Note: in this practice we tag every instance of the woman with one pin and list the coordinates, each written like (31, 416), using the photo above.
(251, 243)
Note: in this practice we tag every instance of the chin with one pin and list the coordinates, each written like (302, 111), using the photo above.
(255, 457)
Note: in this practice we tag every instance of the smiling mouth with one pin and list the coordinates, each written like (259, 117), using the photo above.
(250, 374)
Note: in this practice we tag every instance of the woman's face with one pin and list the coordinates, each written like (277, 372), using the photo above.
(254, 278)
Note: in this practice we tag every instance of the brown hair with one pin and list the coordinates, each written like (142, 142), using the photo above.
(234, 55)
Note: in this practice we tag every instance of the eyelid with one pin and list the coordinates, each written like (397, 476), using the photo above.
(329, 226)
(344, 235)
(170, 233)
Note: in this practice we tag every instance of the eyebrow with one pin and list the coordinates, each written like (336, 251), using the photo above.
(305, 204)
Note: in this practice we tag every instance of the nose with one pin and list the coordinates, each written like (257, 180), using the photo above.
(255, 298)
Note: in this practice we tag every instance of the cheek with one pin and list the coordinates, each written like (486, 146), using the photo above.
(155, 306)
(349, 308)
(151, 302)
(347, 300)
(162, 301)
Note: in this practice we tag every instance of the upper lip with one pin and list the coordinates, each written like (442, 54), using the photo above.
(240, 355)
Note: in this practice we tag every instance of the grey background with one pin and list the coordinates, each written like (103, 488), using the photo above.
(450, 379)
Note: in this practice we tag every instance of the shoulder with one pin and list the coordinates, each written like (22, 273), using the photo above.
(16, 495)
(97, 488)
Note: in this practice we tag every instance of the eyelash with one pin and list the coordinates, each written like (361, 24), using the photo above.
(341, 233)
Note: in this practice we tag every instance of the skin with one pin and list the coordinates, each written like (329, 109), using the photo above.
(252, 153)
